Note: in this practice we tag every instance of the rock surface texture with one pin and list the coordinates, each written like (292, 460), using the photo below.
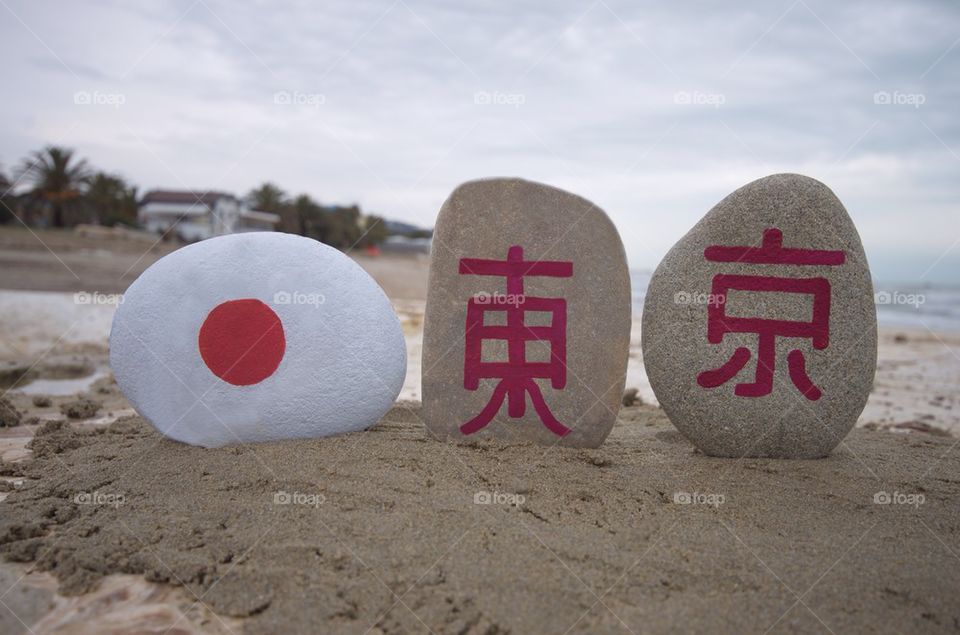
(527, 324)
(759, 329)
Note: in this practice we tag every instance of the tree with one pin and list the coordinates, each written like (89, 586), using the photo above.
(57, 181)
(111, 200)
(267, 198)
(339, 227)
(7, 201)
(270, 198)
(307, 212)
(375, 231)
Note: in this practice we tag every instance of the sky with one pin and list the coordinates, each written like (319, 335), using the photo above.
(654, 111)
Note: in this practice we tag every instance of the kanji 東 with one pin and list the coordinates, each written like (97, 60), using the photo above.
(517, 375)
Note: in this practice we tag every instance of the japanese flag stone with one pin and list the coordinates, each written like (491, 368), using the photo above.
(257, 337)
(527, 324)
(759, 329)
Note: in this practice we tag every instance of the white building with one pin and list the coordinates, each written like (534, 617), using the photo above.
(404, 244)
(193, 216)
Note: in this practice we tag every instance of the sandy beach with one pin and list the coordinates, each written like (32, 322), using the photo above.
(108, 527)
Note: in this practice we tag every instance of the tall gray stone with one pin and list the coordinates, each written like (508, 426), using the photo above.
(562, 316)
(759, 329)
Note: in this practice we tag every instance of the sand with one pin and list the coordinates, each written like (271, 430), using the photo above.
(388, 531)
(383, 530)
(64, 260)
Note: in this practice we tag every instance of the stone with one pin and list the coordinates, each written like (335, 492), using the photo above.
(80, 408)
(538, 355)
(759, 330)
(257, 337)
(10, 417)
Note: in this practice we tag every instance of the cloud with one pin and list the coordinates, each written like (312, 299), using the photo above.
(655, 113)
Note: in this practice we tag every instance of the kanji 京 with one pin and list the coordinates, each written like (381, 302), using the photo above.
(719, 323)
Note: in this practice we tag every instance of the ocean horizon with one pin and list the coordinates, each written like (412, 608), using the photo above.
(899, 304)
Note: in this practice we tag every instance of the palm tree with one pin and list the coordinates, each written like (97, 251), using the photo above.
(6, 199)
(270, 198)
(306, 211)
(56, 178)
(339, 227)
(375, 231)
(111, 199)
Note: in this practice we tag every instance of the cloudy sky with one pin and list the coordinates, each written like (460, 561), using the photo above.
(655, 111)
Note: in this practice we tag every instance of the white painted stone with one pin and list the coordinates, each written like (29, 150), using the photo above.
(343, 361)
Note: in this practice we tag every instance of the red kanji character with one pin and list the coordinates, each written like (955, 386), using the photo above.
(719, 323)
(516, 375)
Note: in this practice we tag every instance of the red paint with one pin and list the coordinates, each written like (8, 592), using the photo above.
(817, 330)
(772, 252)
(242, 341)
(516, 375)
(798, 373)
(720, 376)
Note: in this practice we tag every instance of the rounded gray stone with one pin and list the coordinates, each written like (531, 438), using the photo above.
(761, 291)
(484, 220)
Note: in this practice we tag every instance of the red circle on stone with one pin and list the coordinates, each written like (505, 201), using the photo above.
(242, 341)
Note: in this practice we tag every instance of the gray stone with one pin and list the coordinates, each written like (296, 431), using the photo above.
(800, 301)
(574, 265)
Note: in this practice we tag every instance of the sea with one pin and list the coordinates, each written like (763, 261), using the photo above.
(906, 305)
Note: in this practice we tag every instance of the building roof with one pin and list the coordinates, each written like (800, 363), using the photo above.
(184, 197)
